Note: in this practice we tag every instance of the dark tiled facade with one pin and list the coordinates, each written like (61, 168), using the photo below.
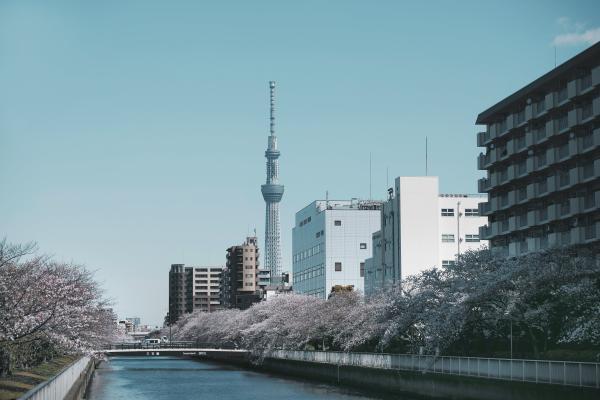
(542, 157)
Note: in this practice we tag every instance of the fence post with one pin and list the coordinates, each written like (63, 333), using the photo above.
(564, 372)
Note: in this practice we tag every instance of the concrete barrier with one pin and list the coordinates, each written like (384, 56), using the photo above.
(70, 383)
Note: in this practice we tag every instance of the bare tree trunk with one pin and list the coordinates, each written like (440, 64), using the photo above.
(5, 361)
(534, 344)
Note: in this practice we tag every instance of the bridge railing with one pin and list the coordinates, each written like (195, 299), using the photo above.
(169, 345)
(567, 373)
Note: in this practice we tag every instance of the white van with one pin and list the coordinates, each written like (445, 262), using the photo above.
(151, 343)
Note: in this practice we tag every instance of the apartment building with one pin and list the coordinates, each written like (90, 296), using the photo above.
(242, 280)
(542, 161)
(193, 288)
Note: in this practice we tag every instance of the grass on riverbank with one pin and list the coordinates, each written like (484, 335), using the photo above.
(11, 387)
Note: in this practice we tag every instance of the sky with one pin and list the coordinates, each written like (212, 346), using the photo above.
(132, 133)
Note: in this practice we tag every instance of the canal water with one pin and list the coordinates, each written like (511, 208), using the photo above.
(174, 378)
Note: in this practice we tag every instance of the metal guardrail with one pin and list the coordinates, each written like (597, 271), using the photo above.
(58, 386)
(537, 371)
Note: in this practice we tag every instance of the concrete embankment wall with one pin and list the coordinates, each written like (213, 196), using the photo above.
(70, 384)
(417, 384)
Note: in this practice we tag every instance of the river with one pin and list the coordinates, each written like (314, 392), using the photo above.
(174, 378)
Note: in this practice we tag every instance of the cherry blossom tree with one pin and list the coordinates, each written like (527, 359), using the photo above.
(41, 300)
(550, 298)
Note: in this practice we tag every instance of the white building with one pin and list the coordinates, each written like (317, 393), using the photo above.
(459, 223)
(330, 241)
(420, 229)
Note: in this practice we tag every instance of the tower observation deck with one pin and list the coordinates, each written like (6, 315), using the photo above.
(272, 192)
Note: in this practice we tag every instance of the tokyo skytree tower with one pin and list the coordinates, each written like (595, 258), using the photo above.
(272, 192)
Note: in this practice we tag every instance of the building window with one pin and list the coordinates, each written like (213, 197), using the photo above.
(471, 238)
(586, 81)
(448, 263)
(562, 94)
(542, 186)
(338, 266)
(362, 269)
(563, 178)
(318, 235)
(541, 159)
(471, 212)
(447, 212)
(563, 122)
(363, 246)
(520, 142)
(448, 237)
(337, 222)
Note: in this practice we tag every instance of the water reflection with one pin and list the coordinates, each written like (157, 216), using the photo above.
(174, 378)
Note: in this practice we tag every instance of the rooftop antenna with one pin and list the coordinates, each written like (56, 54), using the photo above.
(426, 156)
(554, 56)
(387, 176)
(327, 199)
(370, 197)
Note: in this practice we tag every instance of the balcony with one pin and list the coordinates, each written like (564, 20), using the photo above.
(484, 161)
(485, 208)
(591, 232)
(540, 135)
(589, 142)
(590, 201)
(485, 232)
(541, 215)
(482, 139)
(521, 194)
(484, 185)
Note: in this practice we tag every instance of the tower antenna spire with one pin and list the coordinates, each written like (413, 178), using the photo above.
(272, 88)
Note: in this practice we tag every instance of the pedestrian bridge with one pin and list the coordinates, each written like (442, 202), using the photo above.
(181, 349)
(181, 352)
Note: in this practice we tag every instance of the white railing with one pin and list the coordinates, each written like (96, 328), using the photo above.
(537, 371)
(57, 387)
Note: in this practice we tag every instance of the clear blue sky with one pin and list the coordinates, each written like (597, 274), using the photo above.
(132, 134)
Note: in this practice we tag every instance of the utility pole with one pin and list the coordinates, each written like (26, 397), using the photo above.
(458, 228)
(511, 340)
